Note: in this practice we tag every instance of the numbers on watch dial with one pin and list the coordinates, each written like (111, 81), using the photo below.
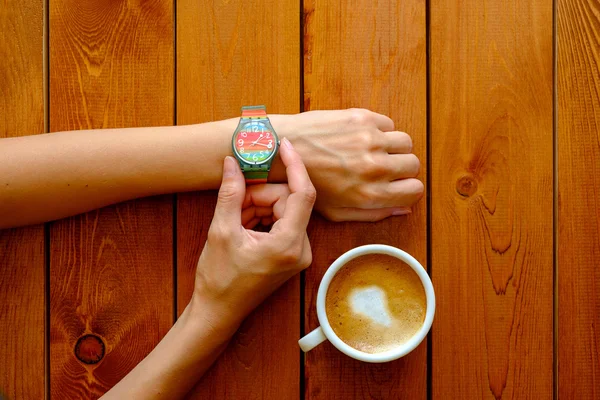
(254, 142)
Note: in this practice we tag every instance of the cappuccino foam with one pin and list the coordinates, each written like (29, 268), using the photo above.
(376, 303)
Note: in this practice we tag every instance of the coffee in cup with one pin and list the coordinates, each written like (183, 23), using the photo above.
(376, 303)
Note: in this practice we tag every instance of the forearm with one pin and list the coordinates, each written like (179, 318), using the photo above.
(51, 176)
(181, 358)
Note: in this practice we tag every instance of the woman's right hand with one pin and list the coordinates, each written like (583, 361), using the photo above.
(240, 267)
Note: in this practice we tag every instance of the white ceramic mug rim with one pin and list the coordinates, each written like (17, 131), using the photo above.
(400, 351)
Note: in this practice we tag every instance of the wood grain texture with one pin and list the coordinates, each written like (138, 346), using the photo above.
(111, 270)
(579, 199)
(491, 199)
(231, 54)
(22, 262)
(360, 55)
(22, 313)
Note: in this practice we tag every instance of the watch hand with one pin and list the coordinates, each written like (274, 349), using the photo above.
(256, 141)
(262, 144)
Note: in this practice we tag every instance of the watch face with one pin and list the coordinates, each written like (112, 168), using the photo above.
(255, 142)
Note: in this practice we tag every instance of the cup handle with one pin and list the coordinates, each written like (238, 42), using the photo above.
(312, 340)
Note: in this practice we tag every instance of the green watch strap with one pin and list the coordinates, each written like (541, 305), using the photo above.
(256, 173)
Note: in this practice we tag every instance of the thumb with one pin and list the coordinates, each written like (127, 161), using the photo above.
(228, 211)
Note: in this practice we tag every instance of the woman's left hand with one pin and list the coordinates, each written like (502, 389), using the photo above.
(363, 169)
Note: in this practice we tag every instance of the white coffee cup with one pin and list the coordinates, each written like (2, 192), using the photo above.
(325, 332)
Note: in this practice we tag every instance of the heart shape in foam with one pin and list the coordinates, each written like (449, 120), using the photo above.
(371, 302)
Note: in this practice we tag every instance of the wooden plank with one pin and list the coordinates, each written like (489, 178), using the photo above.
(491, 198)
(22, 313)
(231, 54)
(111, 270)
(578, 237)
(359, 55)
(22, 262)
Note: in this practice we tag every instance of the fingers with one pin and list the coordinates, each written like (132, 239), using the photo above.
(403, 193)
(266, 221)
(302, 192)
(360, 214)
(398, 142)
(399, 193)
(231, 195)
(252, 223)
(383, 122)
(264, 201)
(401, 166)
(252, 212)
(265, 195)
(362, 116)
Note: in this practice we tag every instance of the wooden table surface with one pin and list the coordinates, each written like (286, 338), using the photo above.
(502, 99)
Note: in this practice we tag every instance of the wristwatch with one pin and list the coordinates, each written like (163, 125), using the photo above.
(255, 144)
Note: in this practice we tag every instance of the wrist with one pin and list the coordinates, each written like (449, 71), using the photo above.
(286, 127)
(217, 314)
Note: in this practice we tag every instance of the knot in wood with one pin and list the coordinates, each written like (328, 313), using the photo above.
(89, 349)
(466, 186)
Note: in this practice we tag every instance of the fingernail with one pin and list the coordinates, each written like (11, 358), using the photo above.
(229, 167)
(288, 143)
(402, 211)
